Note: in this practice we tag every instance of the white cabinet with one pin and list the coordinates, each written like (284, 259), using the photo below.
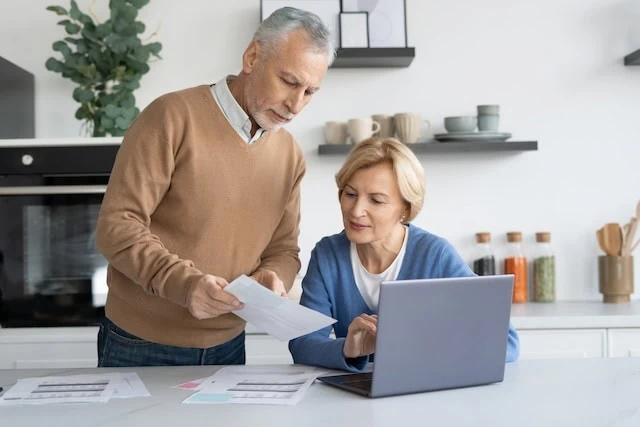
(265, 350)
(34, 348)
(26, 348)
(563, 343)
(624, 342)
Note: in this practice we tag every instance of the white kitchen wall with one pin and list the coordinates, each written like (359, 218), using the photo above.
(555, 67)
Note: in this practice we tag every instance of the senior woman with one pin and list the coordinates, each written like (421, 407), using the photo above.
(381, 190)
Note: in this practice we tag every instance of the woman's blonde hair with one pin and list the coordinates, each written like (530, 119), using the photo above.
(406, 167)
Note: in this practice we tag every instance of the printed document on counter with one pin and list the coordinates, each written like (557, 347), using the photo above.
(279, 317)
(98, 388)
(67, 389)
(263, 385)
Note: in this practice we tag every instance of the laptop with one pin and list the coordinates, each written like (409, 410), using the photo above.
(436, 334)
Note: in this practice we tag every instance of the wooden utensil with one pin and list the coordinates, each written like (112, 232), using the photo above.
(600, 236)
(613, 238)
(629, 234)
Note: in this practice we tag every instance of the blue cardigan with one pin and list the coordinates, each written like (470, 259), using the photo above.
(329, 287)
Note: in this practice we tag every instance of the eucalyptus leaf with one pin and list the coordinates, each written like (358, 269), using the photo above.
(57, 10)
(123, 123)
(83, 113)
(54, 65)
(107, 122)
(139, 26)
(83, 95)
(112, 111)
(106, 60)
(139, 4)
(72, 28)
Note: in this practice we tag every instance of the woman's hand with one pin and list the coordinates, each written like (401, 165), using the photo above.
(361, 336)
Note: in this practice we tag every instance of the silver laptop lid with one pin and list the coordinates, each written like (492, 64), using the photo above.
(441, 333)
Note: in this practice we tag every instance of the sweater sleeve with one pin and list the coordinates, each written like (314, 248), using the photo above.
(318, 348)
(452, 265)
(139, 180)
(281, 254)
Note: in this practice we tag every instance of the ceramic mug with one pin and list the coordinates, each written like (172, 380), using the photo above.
(409, 126)
(335, 132)
(361, 129)
(387, 126)
(488, 123)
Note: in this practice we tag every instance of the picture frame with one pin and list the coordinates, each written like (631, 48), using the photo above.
(354, 29)
(327, 10)
(387, 20)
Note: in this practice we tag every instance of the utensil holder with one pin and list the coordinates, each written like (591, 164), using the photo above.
(615, 278)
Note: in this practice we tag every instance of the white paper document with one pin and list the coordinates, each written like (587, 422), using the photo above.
(67, 389)
(265, 385)
(277, 316)
(130, 386)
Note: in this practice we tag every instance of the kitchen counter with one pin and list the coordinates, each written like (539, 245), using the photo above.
(575, 315)
(53, 142)
(585, 393)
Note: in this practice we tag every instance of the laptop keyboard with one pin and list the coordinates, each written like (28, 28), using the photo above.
(359, 381)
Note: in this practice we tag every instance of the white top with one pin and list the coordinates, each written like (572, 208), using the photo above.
(369, 283)
(581, 392)
(234, 113)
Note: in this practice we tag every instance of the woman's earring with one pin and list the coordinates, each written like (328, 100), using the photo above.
(402, 219)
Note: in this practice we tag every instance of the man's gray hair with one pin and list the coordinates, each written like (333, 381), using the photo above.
(280, 23)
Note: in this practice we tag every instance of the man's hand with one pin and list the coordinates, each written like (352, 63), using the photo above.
(270, 280)
(361, 336)
(206, 298)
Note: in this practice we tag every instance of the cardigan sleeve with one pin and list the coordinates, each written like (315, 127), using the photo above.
(318, 348)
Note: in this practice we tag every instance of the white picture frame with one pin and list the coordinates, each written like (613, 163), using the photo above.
(387, 20)
(327, 10)
(354, 29)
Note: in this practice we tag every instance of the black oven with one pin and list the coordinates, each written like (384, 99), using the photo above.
(51, 273)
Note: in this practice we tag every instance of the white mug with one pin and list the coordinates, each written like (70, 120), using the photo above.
(409, 126)
(361, 129)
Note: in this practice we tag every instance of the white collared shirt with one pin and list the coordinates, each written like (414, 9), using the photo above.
(233, 112)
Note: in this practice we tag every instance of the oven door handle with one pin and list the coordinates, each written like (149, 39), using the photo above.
(52, 190)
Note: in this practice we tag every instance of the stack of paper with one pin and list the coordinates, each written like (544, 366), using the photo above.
(273, 385)
(97, 388)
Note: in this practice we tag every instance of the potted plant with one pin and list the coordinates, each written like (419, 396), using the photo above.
(107, 61)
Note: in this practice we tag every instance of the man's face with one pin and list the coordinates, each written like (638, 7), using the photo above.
(282, 84)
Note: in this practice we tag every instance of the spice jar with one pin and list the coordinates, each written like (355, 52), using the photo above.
(515, 263)
(484, 262)
(544, 270)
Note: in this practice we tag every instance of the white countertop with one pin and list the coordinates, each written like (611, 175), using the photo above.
(59, 142)
(534, 393)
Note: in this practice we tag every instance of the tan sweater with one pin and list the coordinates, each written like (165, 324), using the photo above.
(187, 196)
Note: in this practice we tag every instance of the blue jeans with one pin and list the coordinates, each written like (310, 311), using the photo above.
(118, 348)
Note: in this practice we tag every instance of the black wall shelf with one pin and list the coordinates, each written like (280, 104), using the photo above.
(445, 147)
(632, 58)
(374, 57)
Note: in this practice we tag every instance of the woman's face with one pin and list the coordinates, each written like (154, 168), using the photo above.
(371, 204)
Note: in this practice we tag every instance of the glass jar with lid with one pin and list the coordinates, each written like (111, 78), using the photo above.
(484, 261)
(515, 263)
(544, 269)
